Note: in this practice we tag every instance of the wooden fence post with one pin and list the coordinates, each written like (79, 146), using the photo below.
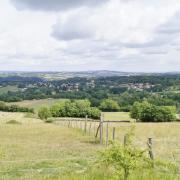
(85, 125)
(89, 128)
(125, 139)
(101, 129)
(94, 128)
(69, 124)
(113, 135)
(107, 135)
(151, 155)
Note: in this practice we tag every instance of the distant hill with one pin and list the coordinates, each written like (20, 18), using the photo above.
(65, 75)
(86, 74)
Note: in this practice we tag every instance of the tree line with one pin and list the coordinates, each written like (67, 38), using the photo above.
(14, 108)
(76, 108)
(146, 112)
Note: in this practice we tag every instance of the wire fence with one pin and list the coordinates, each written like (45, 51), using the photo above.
(105, 131)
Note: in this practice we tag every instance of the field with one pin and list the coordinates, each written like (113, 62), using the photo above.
(36, 150)
(117, 116)
(4, 90)
(36, 104)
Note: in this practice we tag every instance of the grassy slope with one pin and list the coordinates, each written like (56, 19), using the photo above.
(38, 151)
(34, 150)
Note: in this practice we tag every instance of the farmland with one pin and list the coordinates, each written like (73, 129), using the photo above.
(36, 104)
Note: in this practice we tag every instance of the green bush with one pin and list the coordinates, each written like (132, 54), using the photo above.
(109, 105)
(125, 159)
(94, 113)
(44, 113)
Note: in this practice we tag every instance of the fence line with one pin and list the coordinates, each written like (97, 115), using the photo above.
(101, 133)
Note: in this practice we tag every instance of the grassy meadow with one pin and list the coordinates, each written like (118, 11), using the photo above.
(117, 116)
(36, 104)
(32, 149)
(36, 150)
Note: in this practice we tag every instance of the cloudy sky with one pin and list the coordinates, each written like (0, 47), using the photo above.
(78, 35)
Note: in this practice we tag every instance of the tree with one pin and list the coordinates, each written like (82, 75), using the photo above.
(136, 111)
(94, 113)
(165, 114)
(147, 112)
(109, 105)
(44, 113)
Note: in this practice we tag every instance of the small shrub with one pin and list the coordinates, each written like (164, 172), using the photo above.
(13, 122)
(49, 121)
(126, 158)
(44, 113)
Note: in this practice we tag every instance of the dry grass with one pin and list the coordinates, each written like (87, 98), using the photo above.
(20, 117)
(117, 116)
(36, 150)
(36, 104)
(166, 136)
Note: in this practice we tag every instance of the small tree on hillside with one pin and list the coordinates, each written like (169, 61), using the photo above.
(125, 159)
(44, 113)
(136, 111)
(109, 105)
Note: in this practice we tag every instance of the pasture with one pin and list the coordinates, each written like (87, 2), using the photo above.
(117, 116)
(36, 104)
(33, 149)
(36, 150)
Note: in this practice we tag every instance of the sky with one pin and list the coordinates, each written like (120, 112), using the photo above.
(81, 35)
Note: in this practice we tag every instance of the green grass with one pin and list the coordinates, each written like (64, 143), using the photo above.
(4, 90)
(117, 116)
(37, 150)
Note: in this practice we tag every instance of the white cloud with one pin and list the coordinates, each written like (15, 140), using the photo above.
(55, 5)
(134, 35)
